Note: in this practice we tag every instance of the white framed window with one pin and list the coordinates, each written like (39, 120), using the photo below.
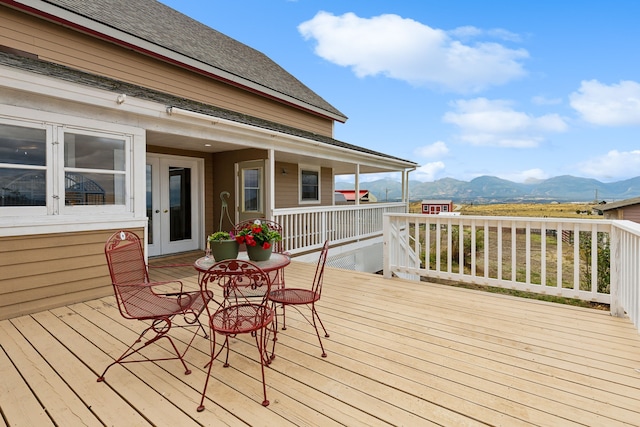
(309, 184)
(251, 190)
(53, 169)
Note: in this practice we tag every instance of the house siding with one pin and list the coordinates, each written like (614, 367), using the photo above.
(65, 46)
(44, 271)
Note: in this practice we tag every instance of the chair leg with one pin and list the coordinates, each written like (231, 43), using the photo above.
(206, 382)
(284, 318)
(160, 327)
(261, 339)
(315, 315)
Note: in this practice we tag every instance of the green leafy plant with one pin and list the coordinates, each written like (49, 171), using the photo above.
(220, 236)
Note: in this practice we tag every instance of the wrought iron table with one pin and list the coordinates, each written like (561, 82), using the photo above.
(275, 263)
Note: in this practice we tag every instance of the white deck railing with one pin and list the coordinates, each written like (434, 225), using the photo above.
(593, 260)
(306, 229)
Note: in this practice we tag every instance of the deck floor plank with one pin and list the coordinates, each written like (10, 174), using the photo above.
(18, 403)
(400, 353)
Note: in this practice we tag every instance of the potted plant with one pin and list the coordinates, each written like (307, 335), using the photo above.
(223, 245)
(258, 238)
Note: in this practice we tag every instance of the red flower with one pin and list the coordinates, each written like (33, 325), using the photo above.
(240, 239)
(266, 245)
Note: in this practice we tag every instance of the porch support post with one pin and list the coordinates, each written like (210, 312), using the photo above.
(357, 195)
(270, 184)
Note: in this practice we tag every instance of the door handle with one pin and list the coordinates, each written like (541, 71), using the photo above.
(166, 210)
(157, 210)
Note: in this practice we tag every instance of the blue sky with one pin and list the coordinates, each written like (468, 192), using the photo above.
(515, 89)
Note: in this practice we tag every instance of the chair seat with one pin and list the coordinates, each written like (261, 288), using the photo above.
(143, 304)
(293, 296)
(241, 318)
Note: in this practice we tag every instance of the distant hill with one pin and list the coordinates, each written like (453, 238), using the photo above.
(490, 189)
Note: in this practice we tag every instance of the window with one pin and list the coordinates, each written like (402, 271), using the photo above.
(309, 185)
(94, 170)
(38, 175)
(23, 166)
(251, 186)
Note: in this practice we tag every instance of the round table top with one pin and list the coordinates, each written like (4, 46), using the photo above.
(276, 262)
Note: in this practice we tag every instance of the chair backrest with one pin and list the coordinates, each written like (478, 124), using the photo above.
(277, 246)
(125, 258)
(241, 282)
(318, 278)
(127, 268)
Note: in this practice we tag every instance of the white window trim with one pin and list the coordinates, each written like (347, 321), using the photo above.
(312, 169)
(55, 217)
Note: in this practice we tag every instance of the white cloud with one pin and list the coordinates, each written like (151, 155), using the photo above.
(427, 172)
(496, 123)
(469, 31)
(614, 165)
(408, 50)
(437, 149)
(608, 105)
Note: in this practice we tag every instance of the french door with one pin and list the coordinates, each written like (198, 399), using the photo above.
(173, 204)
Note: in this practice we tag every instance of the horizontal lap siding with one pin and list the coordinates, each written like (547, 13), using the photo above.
(53, 43)
(41, 272)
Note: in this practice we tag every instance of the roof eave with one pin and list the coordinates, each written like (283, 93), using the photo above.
(80, 23)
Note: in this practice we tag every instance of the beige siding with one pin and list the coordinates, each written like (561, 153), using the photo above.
(287, 185)
(288, 193)
(41, 272)
(61, 45)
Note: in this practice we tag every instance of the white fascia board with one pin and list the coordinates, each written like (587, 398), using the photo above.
(115, 34)
(295, 144)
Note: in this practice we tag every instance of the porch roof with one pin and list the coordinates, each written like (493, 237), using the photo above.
(74, 76)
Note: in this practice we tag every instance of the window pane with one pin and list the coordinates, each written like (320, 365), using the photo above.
(22, 187)
(310, 186)
(93, 152)
(23, 146)
(250, 200)
(251, 178)
(251, 183)
(94, 189)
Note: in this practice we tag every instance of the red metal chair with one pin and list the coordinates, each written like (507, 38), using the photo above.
(241, 312)
(299, 296)
(140, 299)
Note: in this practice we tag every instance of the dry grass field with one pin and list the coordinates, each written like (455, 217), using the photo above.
(549, 210)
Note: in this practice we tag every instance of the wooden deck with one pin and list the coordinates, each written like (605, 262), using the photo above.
(400, 353)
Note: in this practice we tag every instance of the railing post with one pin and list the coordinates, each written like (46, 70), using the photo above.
(615, 308)
(386, 247)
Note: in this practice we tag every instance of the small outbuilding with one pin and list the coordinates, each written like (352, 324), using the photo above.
(434, 207)
(628, 209)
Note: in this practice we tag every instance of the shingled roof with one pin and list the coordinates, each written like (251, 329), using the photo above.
(65, 73)
(165, 27)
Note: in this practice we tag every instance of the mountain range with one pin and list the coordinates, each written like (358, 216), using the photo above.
(490, 189)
